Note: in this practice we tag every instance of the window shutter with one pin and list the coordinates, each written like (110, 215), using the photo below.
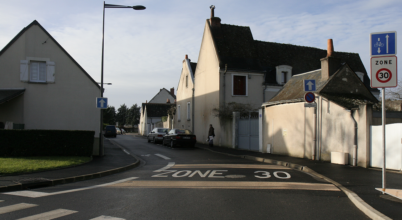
(24, 70)
(50, 72)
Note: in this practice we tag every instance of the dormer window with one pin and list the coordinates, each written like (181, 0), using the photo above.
(360, 75)
(283, 74)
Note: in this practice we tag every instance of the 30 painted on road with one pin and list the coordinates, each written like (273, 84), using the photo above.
(219, 174)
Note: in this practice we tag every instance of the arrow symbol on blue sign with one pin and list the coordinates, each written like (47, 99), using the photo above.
(387, 41)
(102, 103)
(310, 85)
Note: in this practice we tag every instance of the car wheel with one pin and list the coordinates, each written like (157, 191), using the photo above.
(148, 140)
(171, 144)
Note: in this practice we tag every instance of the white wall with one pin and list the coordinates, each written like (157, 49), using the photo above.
(393, 137)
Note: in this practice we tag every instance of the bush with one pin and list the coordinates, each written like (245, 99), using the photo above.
(24, 143)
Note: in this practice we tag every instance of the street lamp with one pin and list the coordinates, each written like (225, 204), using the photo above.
(136, 7)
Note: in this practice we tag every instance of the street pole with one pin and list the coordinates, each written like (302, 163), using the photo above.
(101, 150)
(383, 140)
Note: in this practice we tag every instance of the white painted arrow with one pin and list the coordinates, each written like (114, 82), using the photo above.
(102, 103)
(310, 85)
(387, 41)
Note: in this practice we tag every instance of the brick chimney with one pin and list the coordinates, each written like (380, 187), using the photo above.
(329, 64)
(215, 21)
(168, 101)
(186, 57)
(172, 91)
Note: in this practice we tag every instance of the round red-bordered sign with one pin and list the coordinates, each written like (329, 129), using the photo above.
(382, 73)
(309, 97)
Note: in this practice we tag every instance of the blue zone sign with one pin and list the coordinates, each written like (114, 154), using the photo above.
(383, 43)
(101, 102)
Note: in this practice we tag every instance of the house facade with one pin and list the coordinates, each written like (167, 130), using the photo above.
(43, 87)
(236, 72)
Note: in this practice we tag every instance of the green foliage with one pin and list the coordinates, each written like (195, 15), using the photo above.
(164, 118)
(133, 115)
(121, 115)
(227, 111)
(109, 115)
(27, 143)
(18, 165)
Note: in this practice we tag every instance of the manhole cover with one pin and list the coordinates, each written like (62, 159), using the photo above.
(235, 176)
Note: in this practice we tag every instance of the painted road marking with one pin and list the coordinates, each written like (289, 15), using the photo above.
(102, 217)
(34, 194)
(170, 164)
(226, 185)
(237, 166)
(162, 156)
(16, 207)
(217, 174)
(126, 152)
(50, 215)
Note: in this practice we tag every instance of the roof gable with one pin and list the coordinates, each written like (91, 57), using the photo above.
(160, 94)
(54, 40)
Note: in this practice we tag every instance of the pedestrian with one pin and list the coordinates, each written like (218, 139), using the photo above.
(211, 135)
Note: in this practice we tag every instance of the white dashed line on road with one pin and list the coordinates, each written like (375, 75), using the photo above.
(16, 207)
(34, 194)
(50, 215)
(162, 156)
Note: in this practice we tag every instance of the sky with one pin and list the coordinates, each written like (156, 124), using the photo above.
(144, 49)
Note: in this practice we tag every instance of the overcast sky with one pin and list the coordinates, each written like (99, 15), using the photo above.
(144, 50)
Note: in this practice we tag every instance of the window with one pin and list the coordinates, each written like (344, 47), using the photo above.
(283, 77)
(188, 111)
(239, 85)
(283, 74)
(36, 69)
(186, 81)
(178, 113)
(37, 72)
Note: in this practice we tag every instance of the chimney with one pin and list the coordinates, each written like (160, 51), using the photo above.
(172, 91)
(329, 64)
(215, 21)
(186, 57)
(167, 101)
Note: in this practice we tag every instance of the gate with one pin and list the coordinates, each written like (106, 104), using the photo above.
(248, 131)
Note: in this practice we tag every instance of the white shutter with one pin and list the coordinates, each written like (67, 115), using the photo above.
(24, 70)
(50, 72)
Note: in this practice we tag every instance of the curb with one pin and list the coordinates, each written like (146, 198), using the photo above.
(353, 197)
(73, 179)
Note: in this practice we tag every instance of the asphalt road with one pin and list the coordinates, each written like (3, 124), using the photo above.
(186, 183)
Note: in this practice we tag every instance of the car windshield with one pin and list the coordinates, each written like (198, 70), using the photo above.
(162, 130)
(183, 131)
(110, 128)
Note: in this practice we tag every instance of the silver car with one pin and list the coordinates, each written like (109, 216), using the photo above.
(157, 134)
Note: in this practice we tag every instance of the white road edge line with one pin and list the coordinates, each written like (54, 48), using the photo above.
(126, 152)
(162, 156)
(34, 194)
(170, 164)
(107, 217)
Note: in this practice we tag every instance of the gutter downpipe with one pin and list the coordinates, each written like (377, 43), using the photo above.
(315, 133)
(224, 85)
(354, 160)
(192, 112)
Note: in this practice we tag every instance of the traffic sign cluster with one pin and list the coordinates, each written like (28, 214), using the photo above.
(383, 60)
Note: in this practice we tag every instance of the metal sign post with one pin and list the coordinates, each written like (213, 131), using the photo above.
(383, 75)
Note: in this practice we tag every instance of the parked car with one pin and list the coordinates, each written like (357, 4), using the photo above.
(157, 134)
(123, 131)
(118, 131)
(110, 131)
(179, 137)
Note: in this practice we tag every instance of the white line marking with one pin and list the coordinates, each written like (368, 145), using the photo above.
(164, 157)
(50, 215)
(33, 194)
(170, 164)
(16, 207)
(227, 185)
(1, 200)
(238, 166)
(126, 152)
(107, 217)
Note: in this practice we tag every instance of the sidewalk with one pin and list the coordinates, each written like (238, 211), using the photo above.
(114, 161)
(358, 180)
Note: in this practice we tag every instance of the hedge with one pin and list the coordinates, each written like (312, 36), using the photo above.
(23, 143)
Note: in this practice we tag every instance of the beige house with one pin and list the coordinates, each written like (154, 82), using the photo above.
(184, 117)
(338, 128)
(43, 87)
(153, 111)
(233, 69)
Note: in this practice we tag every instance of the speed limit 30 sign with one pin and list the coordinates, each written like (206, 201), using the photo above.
(384, 72)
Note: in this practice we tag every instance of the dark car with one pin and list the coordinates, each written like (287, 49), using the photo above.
(179, 137)
(157, 134)
(110, 131)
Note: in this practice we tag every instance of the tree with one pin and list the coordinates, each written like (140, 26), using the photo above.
(121, 115)
(133, 115)
(109, 115)
(394, 93)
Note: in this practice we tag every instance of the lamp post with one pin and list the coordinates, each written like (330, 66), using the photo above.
(136, 7)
